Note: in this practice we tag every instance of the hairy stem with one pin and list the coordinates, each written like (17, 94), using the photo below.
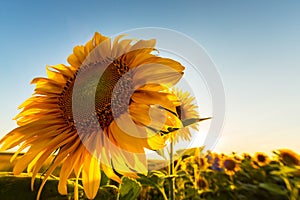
(171, 171)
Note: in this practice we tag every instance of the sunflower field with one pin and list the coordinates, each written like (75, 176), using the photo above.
(196, 175)
(89, 124)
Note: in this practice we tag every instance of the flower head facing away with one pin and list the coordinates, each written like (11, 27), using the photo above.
(187, 110)
(289, 157)
(100, 112)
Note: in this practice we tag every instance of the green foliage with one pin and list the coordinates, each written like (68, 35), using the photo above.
(129, 189)
(18, 187)
(204, 176)
(109, 192)
(198, 176)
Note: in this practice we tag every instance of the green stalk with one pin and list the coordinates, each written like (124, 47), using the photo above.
(171, 171)
(162, 191)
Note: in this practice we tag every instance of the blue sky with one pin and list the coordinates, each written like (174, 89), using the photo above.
(254, 44)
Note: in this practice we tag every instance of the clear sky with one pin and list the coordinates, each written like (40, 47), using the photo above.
(255, 45)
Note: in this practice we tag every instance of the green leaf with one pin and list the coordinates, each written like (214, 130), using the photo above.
(145, 181)
(155, 179)
(297, 183)
(104, 179)
(107, 192)
(190, 193)
(190, 151)
(129, 189)
(249, 187)
(288, 170)
(190, 121)
(273, 188)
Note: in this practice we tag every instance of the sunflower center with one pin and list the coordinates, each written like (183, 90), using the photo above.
(202, 183)
(261, 158)
(229, 165)
(113, 93)
(290, 159)
(113, 86)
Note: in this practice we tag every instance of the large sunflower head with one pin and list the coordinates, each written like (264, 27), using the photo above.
(100, 112)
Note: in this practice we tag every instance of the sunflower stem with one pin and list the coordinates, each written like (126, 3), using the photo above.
(171, 171)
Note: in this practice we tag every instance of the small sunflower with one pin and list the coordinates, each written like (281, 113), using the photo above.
(212, 157)
(202, 183)
(202, 162)
(230, 166)
(200, 159)
(187, 111)
(261, 159)
(246, 156)
(91, 122)
(217, 165)
(289, 157)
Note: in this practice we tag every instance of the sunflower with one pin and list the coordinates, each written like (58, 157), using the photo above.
(100, 112)
(246, 156)
(230, 166)
(188, 165)
(200, 159)
(289, 157)
(202, 183)
(216, 164)
(202, 162)
(186, 111)
(261, 159)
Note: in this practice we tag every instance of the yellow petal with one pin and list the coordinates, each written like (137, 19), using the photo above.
(139, 52)
(55, 75)
(73, 61)
(151, 116)
(166, 100)
(67, 71)
(78, 51)
(147, 45)
(23, 161)
(155, 87)
(156, 74)
(91, 176)
(156, 141)
(116, 48)
(98, 39)
(120, 165)
(131, 139)
(165, 62)
(66, 170)
(109, 172)
(57, 161)
(124, 47)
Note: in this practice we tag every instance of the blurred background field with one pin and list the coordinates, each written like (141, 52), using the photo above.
(7, 166)
(198, 176)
